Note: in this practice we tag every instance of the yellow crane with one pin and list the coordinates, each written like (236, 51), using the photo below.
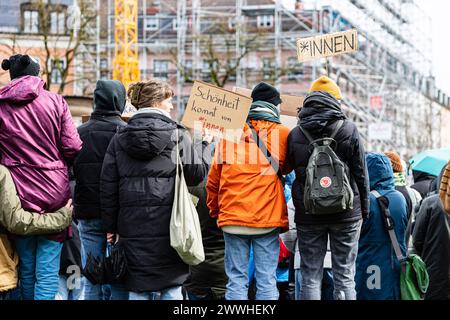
(126, 55)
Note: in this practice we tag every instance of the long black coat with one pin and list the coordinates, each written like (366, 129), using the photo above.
(431, 238)
(96, 134)
(349, 149)
(209, 274)
(137, 192)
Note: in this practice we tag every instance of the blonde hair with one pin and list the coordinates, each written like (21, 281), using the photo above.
(148, 94)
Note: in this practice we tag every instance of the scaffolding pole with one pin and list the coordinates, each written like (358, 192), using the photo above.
(181, 41)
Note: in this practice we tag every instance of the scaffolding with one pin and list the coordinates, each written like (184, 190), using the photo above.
(392, 65)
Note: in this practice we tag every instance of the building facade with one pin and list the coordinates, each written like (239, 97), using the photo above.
(388, 84)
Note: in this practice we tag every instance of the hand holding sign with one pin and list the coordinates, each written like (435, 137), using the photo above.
(216, 111)
(327, 45)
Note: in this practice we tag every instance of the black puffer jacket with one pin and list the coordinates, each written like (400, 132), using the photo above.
(209, 274)
(137, 191)
(96, 134)
(319, 115)
(431, 239)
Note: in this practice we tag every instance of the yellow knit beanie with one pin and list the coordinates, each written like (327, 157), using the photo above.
(327, 85)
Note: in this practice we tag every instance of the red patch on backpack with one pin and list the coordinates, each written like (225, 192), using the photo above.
(325, 182)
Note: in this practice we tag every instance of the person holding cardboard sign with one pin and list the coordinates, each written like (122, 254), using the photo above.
(137, 191)
(245, 193)
(325, 132)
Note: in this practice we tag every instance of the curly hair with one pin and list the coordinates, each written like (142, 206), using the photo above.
(148, 94)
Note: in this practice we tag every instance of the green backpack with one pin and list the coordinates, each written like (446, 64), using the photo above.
(414, 278)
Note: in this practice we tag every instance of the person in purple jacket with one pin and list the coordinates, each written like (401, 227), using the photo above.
(38, 141)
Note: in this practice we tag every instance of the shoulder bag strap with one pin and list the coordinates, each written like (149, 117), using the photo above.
(179, 163)
(383, 202)
(266, 153)
(410, 224)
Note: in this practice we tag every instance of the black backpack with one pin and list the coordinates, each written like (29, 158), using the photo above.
(327, 188)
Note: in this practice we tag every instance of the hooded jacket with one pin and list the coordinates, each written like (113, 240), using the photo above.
(431, 239)
(14, 219)
(318, 116)
(38, 140)
(137, 192)
(96, 134)
(423, 182)
(377, 267)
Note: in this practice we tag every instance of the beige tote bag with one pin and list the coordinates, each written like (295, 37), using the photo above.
(185, 232)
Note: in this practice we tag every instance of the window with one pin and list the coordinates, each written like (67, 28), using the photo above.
(231, 64)
(151, 24)
(175, 24)
(57, 22)
(231, 24)
(294, 69)
(206, 71)
(264, 22)
(31, 21)
(56, 67)
(103, 63)
(188, 64)
(161, 69)
(268, 64)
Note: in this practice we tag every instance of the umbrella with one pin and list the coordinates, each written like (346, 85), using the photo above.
(431, 161)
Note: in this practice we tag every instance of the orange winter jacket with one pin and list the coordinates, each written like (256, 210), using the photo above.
(243, 188)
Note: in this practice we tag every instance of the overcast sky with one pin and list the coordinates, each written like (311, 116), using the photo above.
(439, 10)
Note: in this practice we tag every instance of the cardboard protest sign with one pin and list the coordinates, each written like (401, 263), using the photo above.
(220, 111)
(289, 105)
(327, 45)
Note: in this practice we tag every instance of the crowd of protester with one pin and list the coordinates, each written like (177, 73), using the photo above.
(267, 233)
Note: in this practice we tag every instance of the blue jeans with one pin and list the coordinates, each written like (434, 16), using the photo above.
(118, 292)
(312, 241)
(65, 293)
(93, 241)
(266, 249)
(39, 267)
(298, 283)
(174, 293)
(327, 285)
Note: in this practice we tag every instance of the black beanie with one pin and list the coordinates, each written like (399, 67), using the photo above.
(266, 92)
(21, 65)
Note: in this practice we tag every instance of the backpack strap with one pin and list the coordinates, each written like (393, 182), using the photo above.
(306, 133)
(383, 203)
(267, 154)
(338, 127)
(308, 136)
